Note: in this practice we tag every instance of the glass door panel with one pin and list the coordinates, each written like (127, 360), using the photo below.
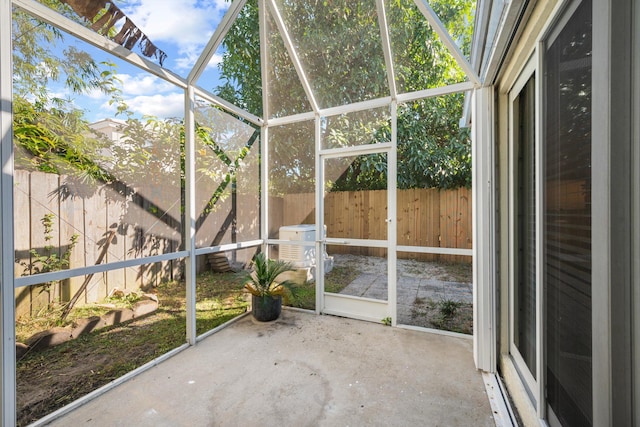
(523, 304)
(524, 295)
(567, 220)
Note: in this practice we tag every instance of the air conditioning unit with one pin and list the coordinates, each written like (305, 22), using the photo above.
(302, 257)
(299, 256)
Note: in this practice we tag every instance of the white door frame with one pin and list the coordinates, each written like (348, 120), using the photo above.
(484, 227)
(7, 291)
(346, 305)
(532, 379)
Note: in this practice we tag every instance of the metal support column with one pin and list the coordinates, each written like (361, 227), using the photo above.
(190, 217)
(484, 283)
(7, 294)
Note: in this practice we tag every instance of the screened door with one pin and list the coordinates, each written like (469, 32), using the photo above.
(354, 216)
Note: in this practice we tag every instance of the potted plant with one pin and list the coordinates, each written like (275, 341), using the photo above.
(266, 292)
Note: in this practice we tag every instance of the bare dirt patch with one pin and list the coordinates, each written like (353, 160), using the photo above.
(436, 270)
(448, 304)
(445, 315)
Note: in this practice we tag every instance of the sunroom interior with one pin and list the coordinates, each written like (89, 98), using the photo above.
(339, 136)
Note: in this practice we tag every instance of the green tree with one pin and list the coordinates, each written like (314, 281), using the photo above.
(50, 132)
(340, 50)
(240, 66)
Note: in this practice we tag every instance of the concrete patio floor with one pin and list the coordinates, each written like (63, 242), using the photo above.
(302, 370)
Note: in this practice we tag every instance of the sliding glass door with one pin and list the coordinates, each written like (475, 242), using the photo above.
(523, 307)
(567, 219)
(550, 245)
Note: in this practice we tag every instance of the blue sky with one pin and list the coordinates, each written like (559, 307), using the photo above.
(181, 28)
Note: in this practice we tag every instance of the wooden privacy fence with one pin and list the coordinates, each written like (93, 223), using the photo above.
(426, 217)
(148, 223)
(92, 217)
(144, 223)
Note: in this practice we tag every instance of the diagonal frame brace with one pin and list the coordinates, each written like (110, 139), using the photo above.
(295, 58)
(438, 26)
(386, 48)
(221, 31)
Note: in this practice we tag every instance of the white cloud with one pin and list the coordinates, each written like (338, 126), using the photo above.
(215, 60)
(189, 59)
(142, 84)
(159, 105)
(133, 86)
(186, 24)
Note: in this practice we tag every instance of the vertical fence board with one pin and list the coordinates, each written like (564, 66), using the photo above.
(275, 215)
(346, 206)
(429, 225)
(44, 201)
(247, 214)
(149, 248)
(22, 237)
(132, 275)
(446, 226)
(403, 208)
(378, 205)
(71, 222)
(466, 231)
(95, 216)
(298, 209)
(166, 267)
(331, 219)
(116, 252)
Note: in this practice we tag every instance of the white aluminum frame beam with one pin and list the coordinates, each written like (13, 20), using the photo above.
(296, 118)
(392, 215)
(386, 48)
(437, 91)
(7, 293)
(635, 250)
(190, 213)
(214, 42)
(357, 150)
(445, 37)
(484, 283)
(320, 235)
(264, 130)
(85, 34)
(369, 243)
(229, 247)
(293, 54)
(226, 105)
(435, 250)
(376, 103)
(356, 106)
(264, 60)
(94, 269)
